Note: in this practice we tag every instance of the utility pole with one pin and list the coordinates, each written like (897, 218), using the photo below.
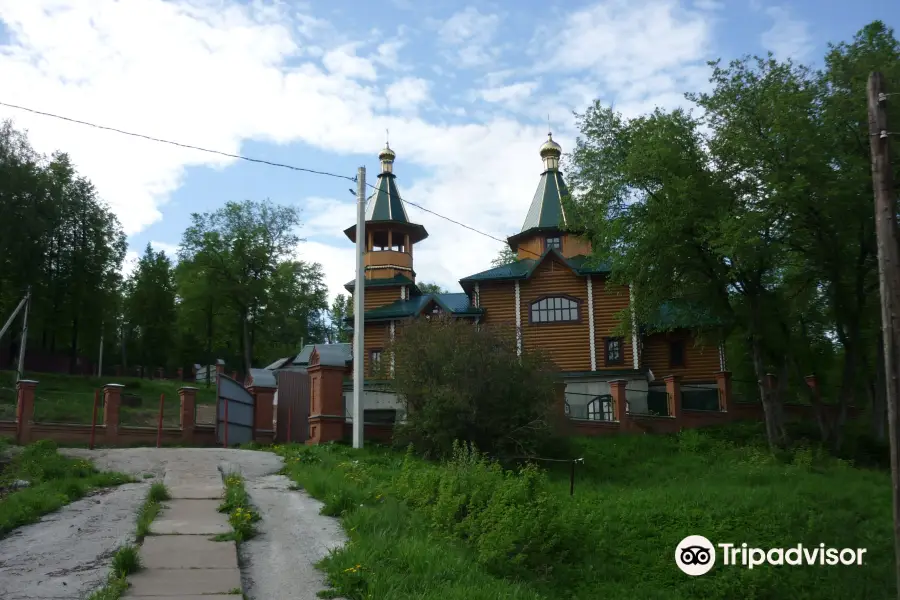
(358, 309)
(888, 279)
(20, 370)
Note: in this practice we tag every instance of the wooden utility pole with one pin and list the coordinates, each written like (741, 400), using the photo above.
(888, 279)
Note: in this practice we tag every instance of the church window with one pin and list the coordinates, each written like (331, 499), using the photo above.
(557, 309)
(553, 242)
(614, 352)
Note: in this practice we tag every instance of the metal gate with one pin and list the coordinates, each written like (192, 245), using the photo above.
(292, 417)
(235, 412)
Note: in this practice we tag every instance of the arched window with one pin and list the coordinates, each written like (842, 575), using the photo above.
(600, 408)
(556, 309)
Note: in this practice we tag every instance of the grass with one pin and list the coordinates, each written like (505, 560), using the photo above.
(150, 508)
(466, 529)
(241, 515)
(64, 398)
(127, 559)
(55, 481)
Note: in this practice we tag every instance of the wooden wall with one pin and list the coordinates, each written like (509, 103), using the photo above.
(608, 301)
(701, 363)
(499, 302)
(572, 245)
(567, 343)
(380, 296)
(378, 336)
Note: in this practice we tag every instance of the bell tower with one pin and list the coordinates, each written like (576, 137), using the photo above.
(390, 236)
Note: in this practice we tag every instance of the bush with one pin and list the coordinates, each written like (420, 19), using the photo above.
(464, 383)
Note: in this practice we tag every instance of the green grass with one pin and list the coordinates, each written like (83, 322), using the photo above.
(64, 398)
(55, 481)
(126, 561)
(467, 529)
(241, 515)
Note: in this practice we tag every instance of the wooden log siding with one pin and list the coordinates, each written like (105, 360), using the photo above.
(380, 296)
(701, 363)
(567, 343)
(499, 302)
(572, 245)
(377, 338)
(609, 301)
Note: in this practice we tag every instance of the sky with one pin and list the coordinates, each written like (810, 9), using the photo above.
(467, 93)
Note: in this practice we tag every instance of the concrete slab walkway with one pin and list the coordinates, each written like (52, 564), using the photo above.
(180, 558)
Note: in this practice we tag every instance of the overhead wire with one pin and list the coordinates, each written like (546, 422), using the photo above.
(250, 159)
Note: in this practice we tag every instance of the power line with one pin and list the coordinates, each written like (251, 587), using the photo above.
(190, 147)
(254, 160)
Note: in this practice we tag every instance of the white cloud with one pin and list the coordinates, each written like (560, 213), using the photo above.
(470, 33)
(408, 94)
(171, 250)
(788, 37)
(229, 72)
(513, 93)
(343, 61)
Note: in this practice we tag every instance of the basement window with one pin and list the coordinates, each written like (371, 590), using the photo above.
(600, 408)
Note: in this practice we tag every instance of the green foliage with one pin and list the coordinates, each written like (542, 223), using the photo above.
(505, 257)
(55, 481)
(115, 587)
(126, 561)
(148, 511)
(466, 528)
(158, 492)
(60, 238)
(465, 383)
(241, 515)
(341, 309)
(149, 309)
(430, 288)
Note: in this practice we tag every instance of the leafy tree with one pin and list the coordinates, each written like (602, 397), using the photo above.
(240, 247)
(150, 308)
(294, 310)
(505, 257)
(430, 288)
(468, 384)
(341, 309)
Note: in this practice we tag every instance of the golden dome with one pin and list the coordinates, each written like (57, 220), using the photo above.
(386, 154)
(551, 148)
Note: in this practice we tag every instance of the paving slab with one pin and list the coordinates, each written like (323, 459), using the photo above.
(193, 491)
(190, 517)
(179, 583)
(187, 552)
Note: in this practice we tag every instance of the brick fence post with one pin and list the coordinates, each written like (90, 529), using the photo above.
(112, 403)
(187, 415)
(723, 383)
(25, 389)
(263, 412)
(673, 395)
(617, 391)
(326, 402)
(180, 373)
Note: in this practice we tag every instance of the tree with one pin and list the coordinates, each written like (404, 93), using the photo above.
(505, 257)
(468, 384)
(294, 310)
(430, 288)
(341, 310)
(240, 246)
(150, 308)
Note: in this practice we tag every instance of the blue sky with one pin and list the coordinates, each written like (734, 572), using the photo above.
(465, 90)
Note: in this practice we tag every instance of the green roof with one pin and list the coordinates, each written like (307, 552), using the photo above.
(546, 209)
(523, 269)
(390, 281)
(385, 203)
(455, 304)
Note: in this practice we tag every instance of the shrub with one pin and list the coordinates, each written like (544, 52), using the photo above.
(465, 383)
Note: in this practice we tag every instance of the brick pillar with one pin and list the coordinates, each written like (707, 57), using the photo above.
(234, 375)
(25, 389)
(723, 383)
(220, 366)
(118, 370)
(813, 383)
(673, 394)
(326, 402)
(161, 373)
(112, 402)
(617, 391)
(771, 381)
(188, 398)
(263, 413)
(180, 373)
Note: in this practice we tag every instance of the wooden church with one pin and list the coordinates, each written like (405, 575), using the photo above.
(552, 295)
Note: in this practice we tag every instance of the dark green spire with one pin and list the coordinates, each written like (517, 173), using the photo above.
(385, 204)
(546, 211)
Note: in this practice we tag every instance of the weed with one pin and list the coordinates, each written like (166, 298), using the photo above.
(241, 514)
(126, 561)
(113, 590)
(150, 508)
(158, 492)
